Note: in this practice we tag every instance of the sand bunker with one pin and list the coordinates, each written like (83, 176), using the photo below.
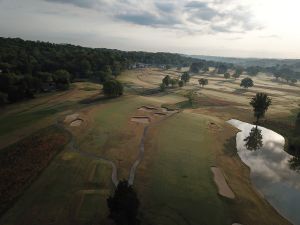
(71, 118)
(147, 108)
(76, 123)
(141, 119)
(224, 189)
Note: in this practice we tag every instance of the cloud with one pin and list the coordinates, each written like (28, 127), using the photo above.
(145, 18)
(204, 16)
(79, 3)
(165, 6)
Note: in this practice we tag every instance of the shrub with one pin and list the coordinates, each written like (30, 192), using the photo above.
(113, 88)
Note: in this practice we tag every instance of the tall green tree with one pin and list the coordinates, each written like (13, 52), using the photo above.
(226, 75)
(167, 80)
(247, 82)
(203, 82)
(260, 103)
(185, 77)
(113, 88)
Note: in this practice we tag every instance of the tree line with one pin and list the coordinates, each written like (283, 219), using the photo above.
(30, 67)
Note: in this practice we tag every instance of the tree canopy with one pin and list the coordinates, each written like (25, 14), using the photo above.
(185, 77)
(203, 82)
(247, 82)
(227, 75)
(260, 103)
(113, 88)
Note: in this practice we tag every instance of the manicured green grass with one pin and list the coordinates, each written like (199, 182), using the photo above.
(181, 187)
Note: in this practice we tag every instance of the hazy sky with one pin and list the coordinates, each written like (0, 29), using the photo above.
(247, 28)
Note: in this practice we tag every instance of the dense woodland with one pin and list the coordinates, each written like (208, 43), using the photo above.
(28, 67)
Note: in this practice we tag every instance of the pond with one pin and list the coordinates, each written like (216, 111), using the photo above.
(271, 168)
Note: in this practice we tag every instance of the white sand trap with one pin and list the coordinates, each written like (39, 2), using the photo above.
(224, 189)
(76, 123)
(71, 118)
(141, 119)
(147, 108)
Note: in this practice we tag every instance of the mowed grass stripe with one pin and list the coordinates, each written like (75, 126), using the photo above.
(180, 186)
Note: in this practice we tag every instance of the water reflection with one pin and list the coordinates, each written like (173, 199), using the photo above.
(254, 141)
(273, 171)
(295, 164)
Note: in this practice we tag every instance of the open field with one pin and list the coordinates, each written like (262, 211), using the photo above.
(174, 181)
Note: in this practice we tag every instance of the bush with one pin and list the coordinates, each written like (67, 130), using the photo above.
(247, 82)
(113, 88)
(294, 146)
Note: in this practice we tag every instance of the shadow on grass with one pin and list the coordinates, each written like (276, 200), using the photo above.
(229, 147)
(240, 91)
(95, 99)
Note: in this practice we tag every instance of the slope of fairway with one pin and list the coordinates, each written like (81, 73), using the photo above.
(177, 187)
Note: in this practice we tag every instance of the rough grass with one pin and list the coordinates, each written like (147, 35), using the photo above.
(21, 163)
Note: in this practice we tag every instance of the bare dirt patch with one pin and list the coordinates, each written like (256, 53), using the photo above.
(224, 189)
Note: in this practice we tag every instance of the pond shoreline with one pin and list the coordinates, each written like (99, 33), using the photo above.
(257, 161)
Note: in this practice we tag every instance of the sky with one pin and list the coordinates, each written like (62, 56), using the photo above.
(234, 28)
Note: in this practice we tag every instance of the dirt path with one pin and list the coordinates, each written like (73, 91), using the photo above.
(142, 149)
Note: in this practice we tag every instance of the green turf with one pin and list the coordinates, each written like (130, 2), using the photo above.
(14, 121)
(181, 189)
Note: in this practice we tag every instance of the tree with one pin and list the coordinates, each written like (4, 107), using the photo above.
(239, 70)
(162, 87)
(236, 75)
(62, 79)
(185, 77)
(112, 88)
(180, 83)
(167, 80)
(222, 69)
(203, 82)
(260, 103)
(297, 124)
(294, 81)
(227, 75)
(124, 205)
(253, 70)
(174, 82)
(3, 98)
(247, 82)
(85, 67)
